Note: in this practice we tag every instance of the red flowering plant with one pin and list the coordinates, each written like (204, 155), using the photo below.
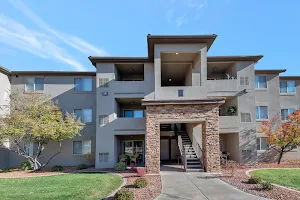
(282, 136)
(141, 172)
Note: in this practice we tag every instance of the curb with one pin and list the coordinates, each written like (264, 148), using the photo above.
(122, 185)
(248, 174)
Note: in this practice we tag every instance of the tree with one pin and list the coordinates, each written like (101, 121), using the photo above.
(35, 119)
(281, 136)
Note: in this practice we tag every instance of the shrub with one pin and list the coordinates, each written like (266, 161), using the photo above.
(267, 185)
(82, 166)
(141, 172)
(7, 169)
(140, 183)
(120, 166)
(26, 165)
(57, 168)
(124, 194)
(254, 180)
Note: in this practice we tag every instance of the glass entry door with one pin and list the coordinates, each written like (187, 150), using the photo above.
(134, 147)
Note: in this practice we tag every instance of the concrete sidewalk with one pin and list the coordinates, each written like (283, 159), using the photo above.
(199, 185)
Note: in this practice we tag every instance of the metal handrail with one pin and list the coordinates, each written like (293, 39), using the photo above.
(198, 150)
(182, 152)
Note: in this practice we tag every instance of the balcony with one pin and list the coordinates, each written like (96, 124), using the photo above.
(222, 87)
(136, 89)
(129, 126)
(229, 124)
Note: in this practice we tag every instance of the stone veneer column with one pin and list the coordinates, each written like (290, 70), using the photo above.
(210, 132)
(152, 141)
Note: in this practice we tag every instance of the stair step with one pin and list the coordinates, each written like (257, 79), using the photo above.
(193, 162)
(194, 170)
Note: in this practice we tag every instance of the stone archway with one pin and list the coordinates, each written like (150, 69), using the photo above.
(206, 112)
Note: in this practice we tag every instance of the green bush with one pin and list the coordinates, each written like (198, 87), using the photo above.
(26, 165)
(120, 166)
(254, 180)
(140, 183)
(7, 169)
(267, 185)
(82, 166)
(57, 168)
(124, 194)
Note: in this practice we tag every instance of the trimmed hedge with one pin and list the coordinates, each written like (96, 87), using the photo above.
(124, 194)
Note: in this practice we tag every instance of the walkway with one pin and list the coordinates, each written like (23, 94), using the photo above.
(198, 185)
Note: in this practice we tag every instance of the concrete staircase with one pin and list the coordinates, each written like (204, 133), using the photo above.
(193, 162)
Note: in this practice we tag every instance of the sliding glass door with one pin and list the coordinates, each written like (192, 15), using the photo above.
(134, 147)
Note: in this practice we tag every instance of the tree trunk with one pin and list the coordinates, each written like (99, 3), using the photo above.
(280, 156)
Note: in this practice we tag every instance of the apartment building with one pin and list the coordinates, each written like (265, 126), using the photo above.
(176, 103)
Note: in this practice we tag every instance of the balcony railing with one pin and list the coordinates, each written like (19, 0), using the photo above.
(229, 124)
(129, 124)
(222, 87)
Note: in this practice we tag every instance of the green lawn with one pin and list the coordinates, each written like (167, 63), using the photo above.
(68, 186)
(284, 177)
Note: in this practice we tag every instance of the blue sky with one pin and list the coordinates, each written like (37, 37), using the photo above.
(61, 34)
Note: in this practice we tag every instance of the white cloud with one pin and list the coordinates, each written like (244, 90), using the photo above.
(34, 42)
(179, 12)
(72, 41)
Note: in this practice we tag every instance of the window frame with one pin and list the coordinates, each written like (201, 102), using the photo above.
(261, 150)
(34, 84)
(288, 109)
(287, 92)
(259, 88)
(81, 154)
(261, 119)
(82, 114)
(82, 79)
(133, 110)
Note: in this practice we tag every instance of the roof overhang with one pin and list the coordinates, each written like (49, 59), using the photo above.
(4, 70)
(53, 73)
(289, 77)
(99, 59)
(269, 71)
(255, 58)
(177, 39)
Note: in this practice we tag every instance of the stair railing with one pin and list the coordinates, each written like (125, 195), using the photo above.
(198, 150)
(182, 152)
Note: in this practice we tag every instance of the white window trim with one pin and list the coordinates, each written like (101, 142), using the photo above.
(265, 75)
(260, 119)
(81, 142)
(287, 93)
(288, 111)
(81, 91)
(82, 112)
(36, 91)
(260, 150)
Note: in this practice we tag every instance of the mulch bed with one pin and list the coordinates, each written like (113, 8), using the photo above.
(151, 191)
(239, 179)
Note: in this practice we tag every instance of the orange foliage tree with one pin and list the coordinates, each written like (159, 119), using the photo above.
(281, 136)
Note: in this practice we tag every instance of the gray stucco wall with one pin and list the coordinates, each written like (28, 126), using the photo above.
(275, 101)
(61, 88)
(106, 140)
(5, 88)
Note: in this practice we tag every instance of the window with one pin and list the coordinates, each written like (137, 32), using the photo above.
(133, 113)
(245, 117)
(244, 80)
(260, 82)
(34, 84)
(103, 157)
(82, 147)
(103, 82)
(83, 84)
(291, 147)
(85, 115)
(262, 143)
(287, 86)
(261, 112)
(286, 112)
